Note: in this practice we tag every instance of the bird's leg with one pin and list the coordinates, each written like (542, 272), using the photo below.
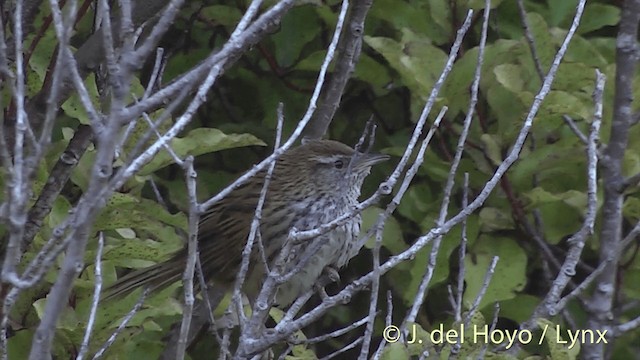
(329, 275)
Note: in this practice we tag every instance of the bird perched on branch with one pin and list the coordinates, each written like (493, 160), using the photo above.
(311, 185)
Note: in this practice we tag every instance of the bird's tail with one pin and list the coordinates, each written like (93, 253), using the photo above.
(155, 277)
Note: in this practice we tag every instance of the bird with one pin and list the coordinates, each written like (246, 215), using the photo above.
(311, 184)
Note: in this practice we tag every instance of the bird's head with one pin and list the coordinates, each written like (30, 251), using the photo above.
(330, 166)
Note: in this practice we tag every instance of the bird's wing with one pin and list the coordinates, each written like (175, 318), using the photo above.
(223, 232)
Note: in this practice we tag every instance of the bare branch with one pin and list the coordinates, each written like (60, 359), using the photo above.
(58, 296)
(331, 335)
(549, 306)
(375, 289)
(350, 46)
(530, 39)
(576, 130)
(192, 248)
(601, 304)
(632, 180)
(388, 320)
(494, 322)
(626, 327)
(57, 179)
(343, 350)
(462, 254)
(19, 191)
(96, 300)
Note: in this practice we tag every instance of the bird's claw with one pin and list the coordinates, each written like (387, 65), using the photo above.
(329, 275)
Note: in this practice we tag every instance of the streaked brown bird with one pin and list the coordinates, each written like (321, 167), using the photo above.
(311, 185)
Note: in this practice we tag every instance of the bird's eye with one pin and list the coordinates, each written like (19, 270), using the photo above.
(339, 164)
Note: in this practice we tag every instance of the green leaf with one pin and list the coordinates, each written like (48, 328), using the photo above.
(41, 57)
(197, 142)
(508, 109)
(221, 14)
(19, 345)
(314, 61)
(450, 243)
(493, 219)
(396, 350)
(545, 44)
(631, 208)
(140, 254)
(510, 273)
(373, 73)
(81, 175)
(631, 163)
(560, 10)
(559, 347)
(510, 76)
(74, 107)
(479, 4)
(126, 211)
(561, 212)
(632, 276)
(391, 234)
(415, 203)
(300, 351)
(456, 88)
(403, 14)
(441, 14)
(59, 211)
(580, 54)
(520, 308)
(559, 103)
(561, 160)
(67, 319)
(597, 16)
(539, 196)
(492, 148)
(418, 62)
(296, 31)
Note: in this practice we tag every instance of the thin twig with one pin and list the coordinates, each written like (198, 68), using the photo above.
(549, 307)
(462, 253)
(343, 349)
(122, 325)
(331, 335)
(96, 299)
(626, 327)
(483, 289)
(192, 249)
(254, 231)
(494, 322)
(530, 39)
(387, 324)
(375, 289)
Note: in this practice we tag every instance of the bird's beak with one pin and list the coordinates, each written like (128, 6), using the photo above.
(368, 160)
